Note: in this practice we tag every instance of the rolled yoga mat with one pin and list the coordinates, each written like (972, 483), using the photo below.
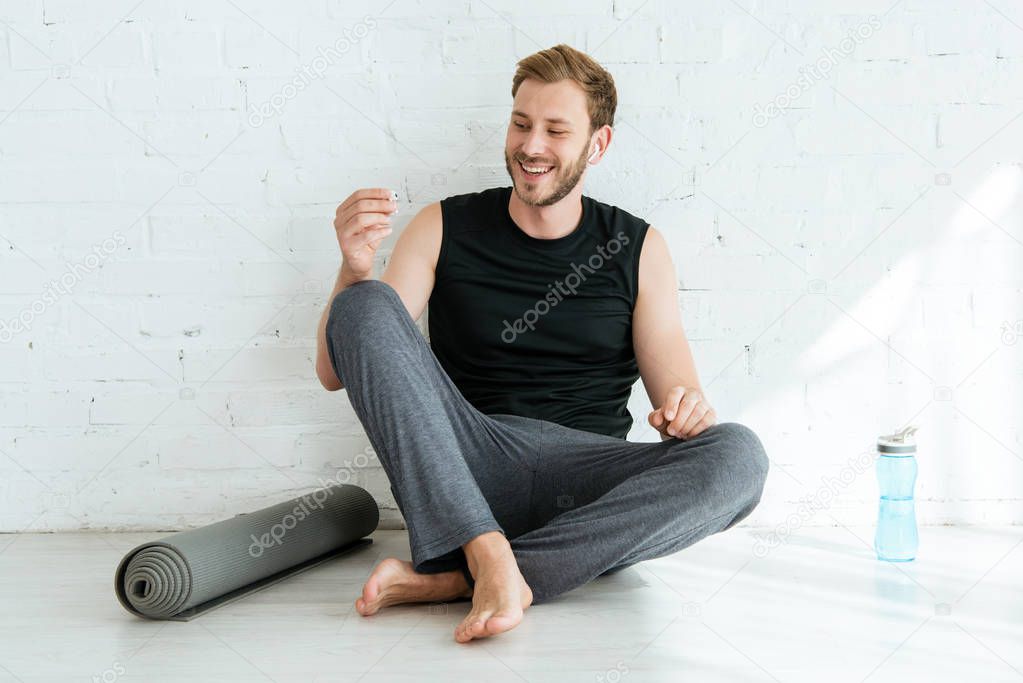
(183, 575)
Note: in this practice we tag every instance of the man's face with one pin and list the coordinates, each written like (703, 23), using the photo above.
(550, 131)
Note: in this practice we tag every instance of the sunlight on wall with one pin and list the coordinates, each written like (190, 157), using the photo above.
(993, 198)
(924, 306)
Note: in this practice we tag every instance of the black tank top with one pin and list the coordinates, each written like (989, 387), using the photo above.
(540, 328)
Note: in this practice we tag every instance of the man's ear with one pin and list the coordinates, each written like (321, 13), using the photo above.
(601, 143)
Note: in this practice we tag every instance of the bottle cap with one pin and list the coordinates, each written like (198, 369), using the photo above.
(900, 442)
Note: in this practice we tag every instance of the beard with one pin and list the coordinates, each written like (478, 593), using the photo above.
(564, 181)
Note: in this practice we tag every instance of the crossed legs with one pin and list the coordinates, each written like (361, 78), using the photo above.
(509, 510)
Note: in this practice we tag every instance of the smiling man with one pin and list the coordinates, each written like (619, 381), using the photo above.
(504, 438)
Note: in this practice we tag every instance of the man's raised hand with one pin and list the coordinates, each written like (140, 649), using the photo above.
(362, 222)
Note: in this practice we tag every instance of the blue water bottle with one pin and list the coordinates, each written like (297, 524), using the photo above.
(896, 539)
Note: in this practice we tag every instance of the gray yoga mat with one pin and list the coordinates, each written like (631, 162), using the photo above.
(183, 575)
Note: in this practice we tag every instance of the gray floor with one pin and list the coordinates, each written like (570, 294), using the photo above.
(818, 607)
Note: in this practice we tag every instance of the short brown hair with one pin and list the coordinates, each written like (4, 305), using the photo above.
(562, 61)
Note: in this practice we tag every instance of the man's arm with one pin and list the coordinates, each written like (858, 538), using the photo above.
(324, 370)
(662, 351)
(410, 271)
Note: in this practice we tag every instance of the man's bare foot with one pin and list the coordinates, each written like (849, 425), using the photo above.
(394, 582)
(500, 595)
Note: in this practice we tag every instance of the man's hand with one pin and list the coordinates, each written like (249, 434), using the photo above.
(362, 222)
(685, 414)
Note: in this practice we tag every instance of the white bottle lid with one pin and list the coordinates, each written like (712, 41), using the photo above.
(898, 443)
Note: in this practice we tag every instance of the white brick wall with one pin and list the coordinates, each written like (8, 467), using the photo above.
(845, 266)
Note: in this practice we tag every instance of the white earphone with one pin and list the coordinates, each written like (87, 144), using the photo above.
(596, 149)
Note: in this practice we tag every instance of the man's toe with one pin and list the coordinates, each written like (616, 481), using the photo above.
(500, 622)
(478, 627)
(464, 628)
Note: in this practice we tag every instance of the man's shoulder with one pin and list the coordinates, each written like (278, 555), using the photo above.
(473, 211)
(616, 213)
(614, 221)
(487, 195)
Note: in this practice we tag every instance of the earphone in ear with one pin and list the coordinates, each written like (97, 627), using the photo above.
(596, 149)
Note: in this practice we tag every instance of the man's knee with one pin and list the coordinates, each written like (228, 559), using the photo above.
(357, 301)
(745, 456)
(750, 449)
(355, 319)
(741, 469)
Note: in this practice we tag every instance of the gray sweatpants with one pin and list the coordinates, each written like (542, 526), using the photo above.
(573, 504)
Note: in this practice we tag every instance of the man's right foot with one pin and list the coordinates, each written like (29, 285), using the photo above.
(395, 582)
(500, 595)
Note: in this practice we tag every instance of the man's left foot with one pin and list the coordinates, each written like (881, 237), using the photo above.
(395, 582)
(500, 595)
